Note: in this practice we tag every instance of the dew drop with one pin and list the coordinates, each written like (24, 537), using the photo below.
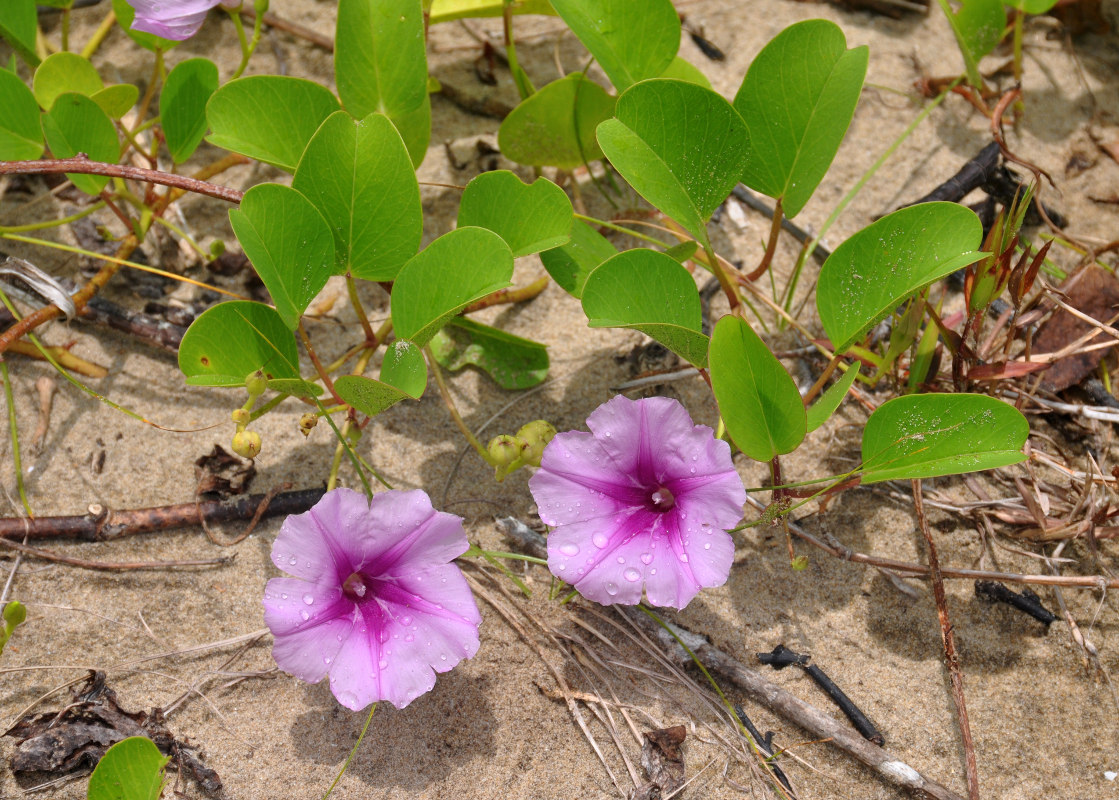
(684, 557)
(600, 540)
(707, 545)
(309, 599)
(646, 558)
(611, 588)
(570, 549)
(382, 664)
(442, 656)
(621, 559)
(405, 620)
(409, 638)
(631, 574)
(305, 614)
(283, 595)
(293, 561)
(327, 660)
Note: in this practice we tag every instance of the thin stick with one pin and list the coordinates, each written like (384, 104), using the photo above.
(83, 166)
(948, 638)
(101, 524)
(110, 566)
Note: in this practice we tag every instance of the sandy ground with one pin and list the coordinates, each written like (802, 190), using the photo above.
(1044, 723)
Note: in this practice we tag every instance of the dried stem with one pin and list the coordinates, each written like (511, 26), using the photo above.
(948, 637)
(110, 566)
(83, 166)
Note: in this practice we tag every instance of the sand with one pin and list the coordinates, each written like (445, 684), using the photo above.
(1044, 720)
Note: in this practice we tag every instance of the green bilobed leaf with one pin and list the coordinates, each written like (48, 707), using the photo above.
(758, 401)
(447, 10)
(448, 275)
(403, 376)
(62, 73)
(116, 100)
(132, 769)
(182, 105)
(231, 340)
(360, 178)
(631, 40)
(571, 263)
(556, 125)
(18, 25)
(21, 137)
(415, 130)
(828, 402)
(683, 70)
(513, 362)
(289, 244)
(75, 124)
(379, 58)
(529, 218)
(797, 100)
(978, 26)
(926, 435)
(651, 292)
(405, 368)
(871, 273)
(149, 41)
(268, 117)
(682, 147)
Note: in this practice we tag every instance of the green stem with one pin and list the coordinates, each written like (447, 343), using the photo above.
(622, 229)
(99, 35)
(65, 29)
(54, 223)
(353, 752)
(449, 402)
(186, 237)
(247, 47)
(13, 430)
(477, 552)
(359, 309)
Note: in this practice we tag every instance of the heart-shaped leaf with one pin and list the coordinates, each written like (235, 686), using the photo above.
(75, 124)
(632, 41)
(682, 147)
(268, 117)
(289, 244)
(116, 100)
(21, 137)
(379, 59)
(403, 376)
(529, 218)
(871, 273)
(571, 263)
(415, 130)
(448, 275)
(828, 402)
(19, 25)
(758, 401)
(231, 340)
(132, 769)
(925, 435)
(556, 125)
(359, 176)
(61, 73)
(513, 362)
(182, 105)
(797, 100)
(652, 293)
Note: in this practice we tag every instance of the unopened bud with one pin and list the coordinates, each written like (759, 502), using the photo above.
(246, 444)
(256, 383)
(307, 423)
(15, 613)
(504, 450)
(353, 435)
(534, 438)
(241, 417)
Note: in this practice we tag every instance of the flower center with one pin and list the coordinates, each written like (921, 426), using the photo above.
(662, 499)
(354, 586)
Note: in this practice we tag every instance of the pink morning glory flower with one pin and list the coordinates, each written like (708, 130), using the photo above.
(643, 501)
(376, 601)
(174, 19)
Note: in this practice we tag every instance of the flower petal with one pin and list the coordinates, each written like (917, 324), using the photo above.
(401, 533)
(413, 627)
(171, 19)
(639, 435)
(585, 554)
(317, 544)
(306, 646)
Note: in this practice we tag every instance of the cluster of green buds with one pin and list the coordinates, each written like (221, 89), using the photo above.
(247, 443)
(509, 453)
(15, 613)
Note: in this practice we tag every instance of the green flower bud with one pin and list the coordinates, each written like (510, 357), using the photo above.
(246, 444)
(241, 417)
(307, 423)
(256, 383)
(353, 435)
(15, 613)
(505, 455)
(260, 6)
(535, 437)
(217, 248)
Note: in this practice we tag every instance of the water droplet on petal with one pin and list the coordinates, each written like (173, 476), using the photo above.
(306, 616)
(646, 558)
(382, 664)
(570, 549)
(707, 545)
(409, 638)
(611, 589)
(600, 540)
(405, 620)
(684, 557)
(631, 574)
(309, 599)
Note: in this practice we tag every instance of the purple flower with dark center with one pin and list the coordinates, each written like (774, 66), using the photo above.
(643, 501)
(174, 19)
(376, 601)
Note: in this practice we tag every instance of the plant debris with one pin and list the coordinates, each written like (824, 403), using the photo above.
(663, 762)
(221, 475)
(77, 736)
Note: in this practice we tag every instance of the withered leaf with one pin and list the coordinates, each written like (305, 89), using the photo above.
(1094, 291)
(221, 475)
(663, 762)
